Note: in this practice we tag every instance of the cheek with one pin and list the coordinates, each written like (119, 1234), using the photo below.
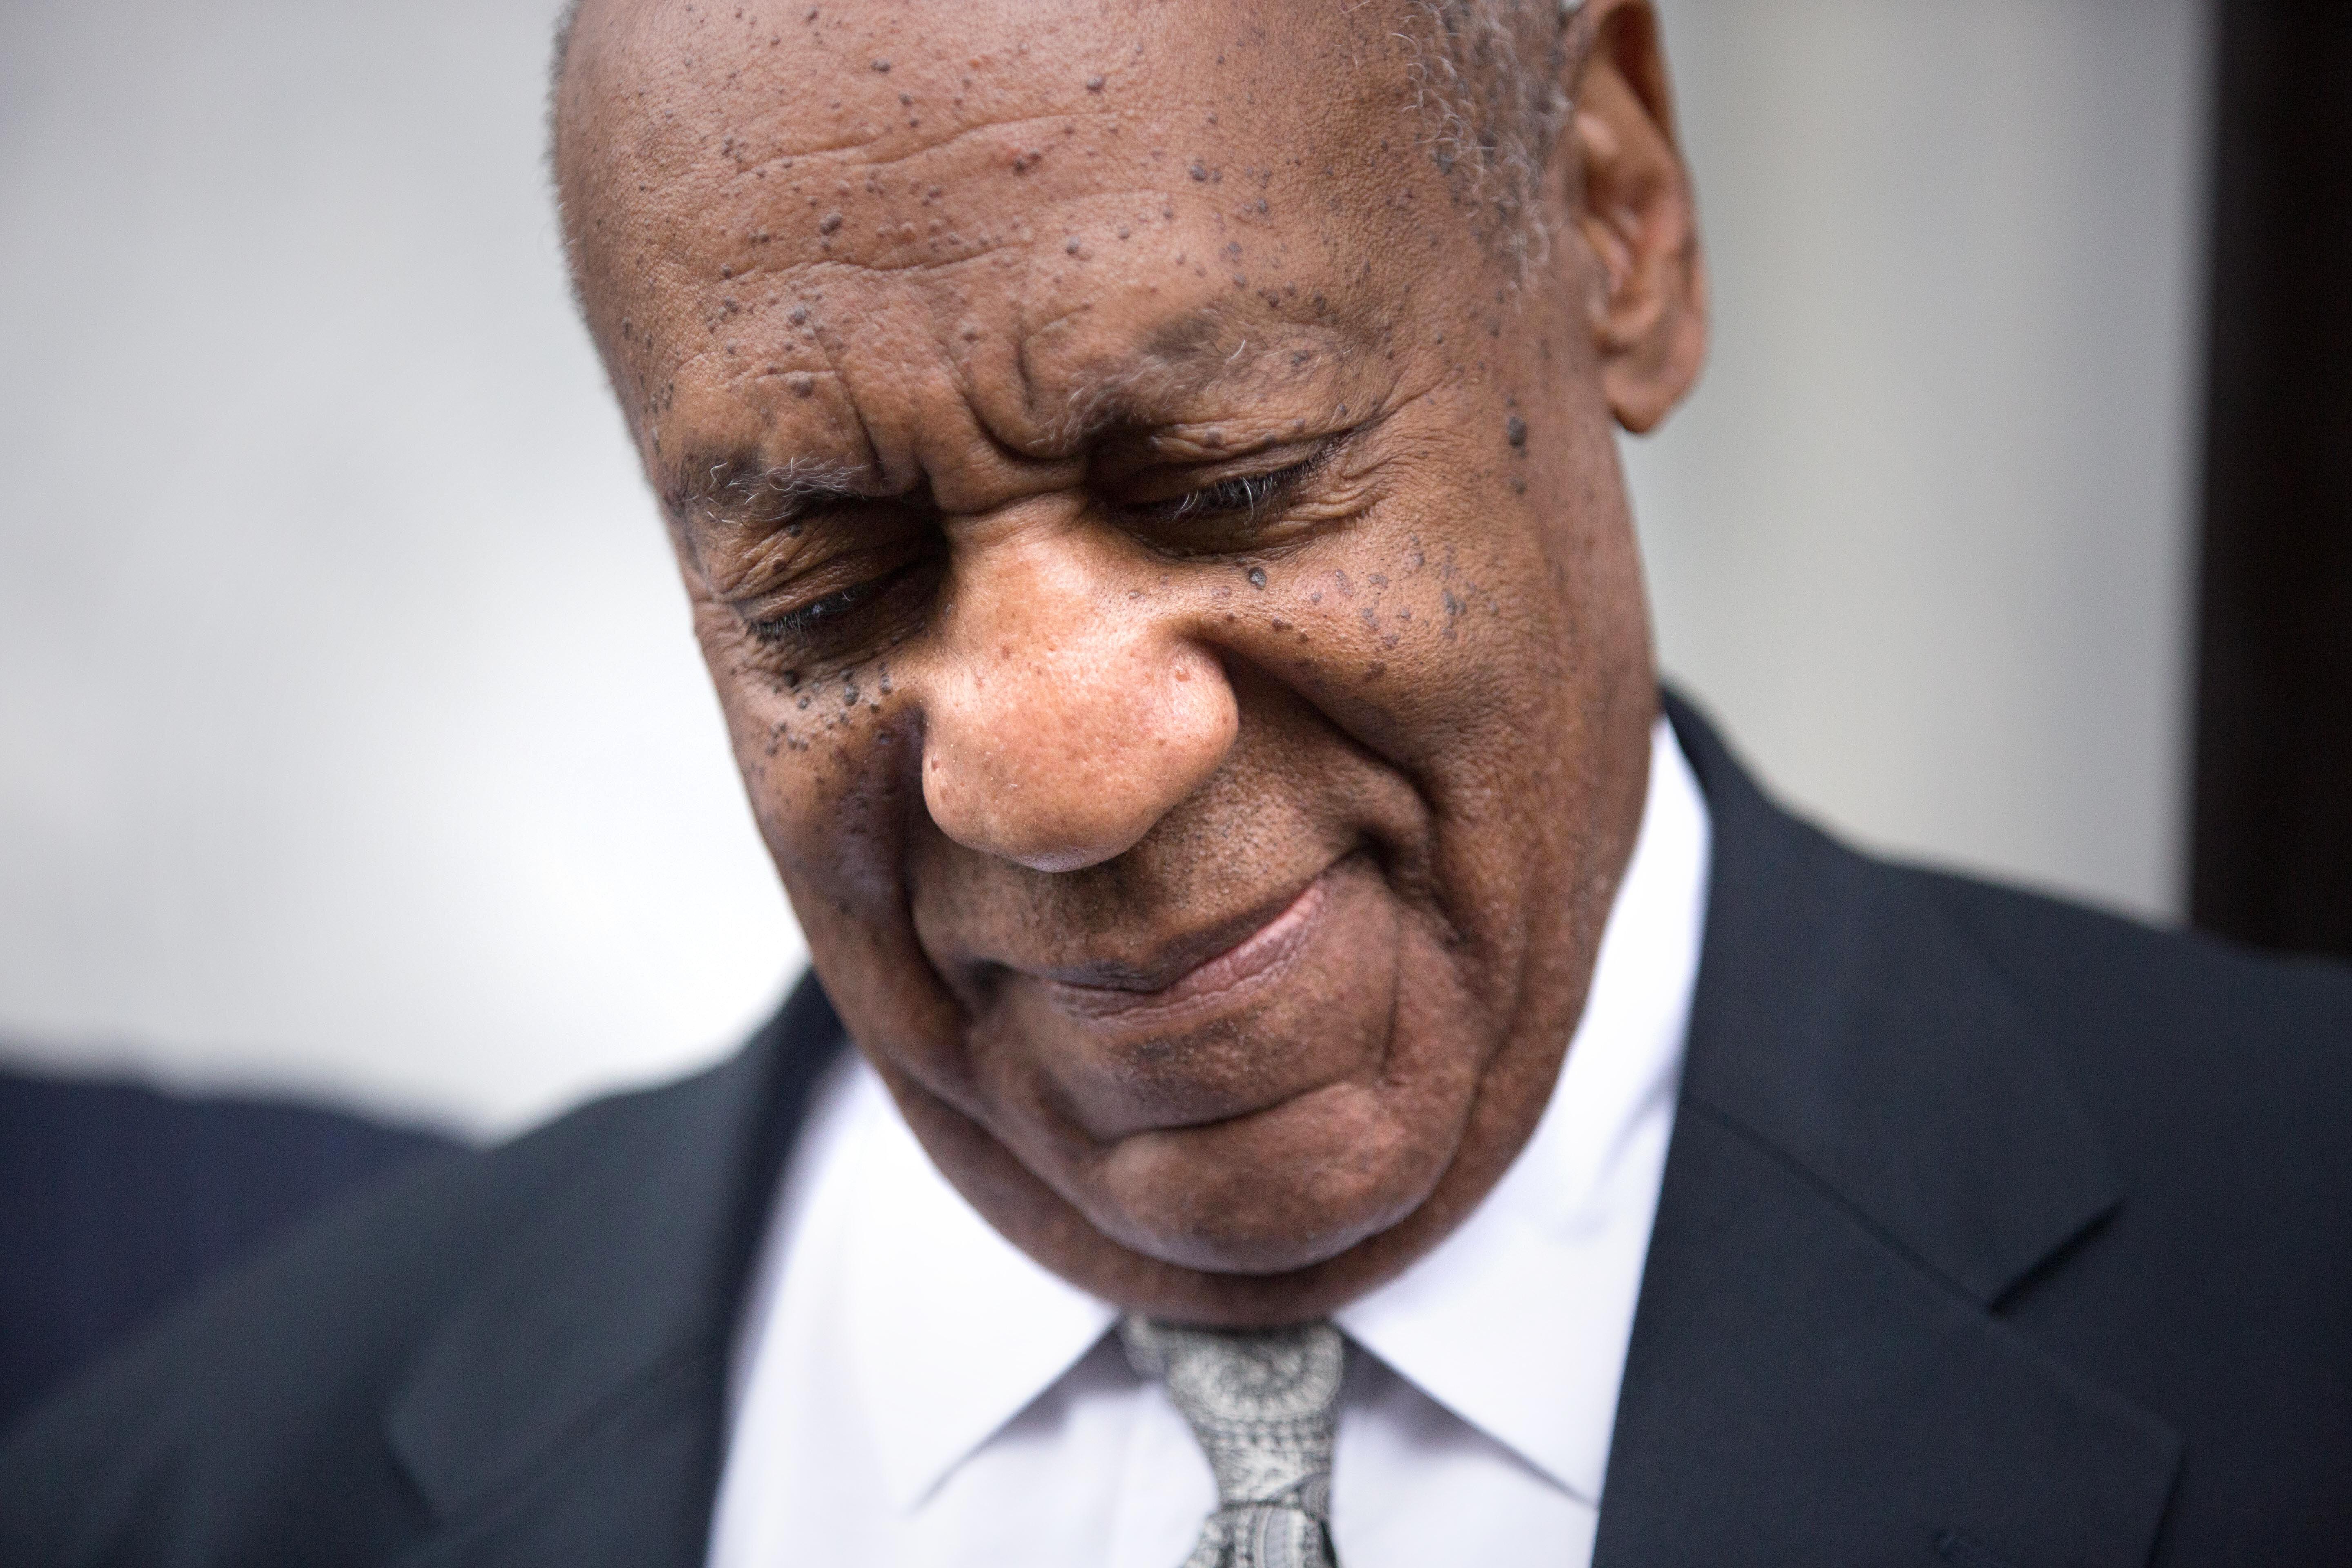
(827, 763)
(831, 766)
(1443, 639)
(1424, 634)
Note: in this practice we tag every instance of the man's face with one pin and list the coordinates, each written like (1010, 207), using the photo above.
(1168, 581)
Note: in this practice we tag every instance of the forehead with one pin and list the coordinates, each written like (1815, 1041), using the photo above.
(1057, 203)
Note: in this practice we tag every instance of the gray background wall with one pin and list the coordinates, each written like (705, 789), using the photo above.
(351, 739)
(1924, 535)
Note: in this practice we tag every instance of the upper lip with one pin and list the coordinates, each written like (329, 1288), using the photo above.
(1173, 959)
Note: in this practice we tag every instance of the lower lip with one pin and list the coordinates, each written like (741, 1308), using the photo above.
(1249, 964)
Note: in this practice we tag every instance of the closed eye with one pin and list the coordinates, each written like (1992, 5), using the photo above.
(1243, 498)
(845, 616)
(820, 617)
(805, 620)
(1243, 492)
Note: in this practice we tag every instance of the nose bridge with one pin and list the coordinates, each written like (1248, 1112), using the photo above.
(1029, 602)
(1068, 709)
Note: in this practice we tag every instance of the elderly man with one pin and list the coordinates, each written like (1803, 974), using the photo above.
(1339, 1077)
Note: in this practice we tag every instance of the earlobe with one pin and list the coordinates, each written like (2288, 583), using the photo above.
(1634, 212)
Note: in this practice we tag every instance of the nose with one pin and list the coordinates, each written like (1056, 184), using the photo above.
(1068, 712)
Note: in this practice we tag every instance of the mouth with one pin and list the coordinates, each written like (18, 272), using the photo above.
(1238, 961)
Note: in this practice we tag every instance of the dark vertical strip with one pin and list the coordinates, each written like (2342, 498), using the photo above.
(2271, 861)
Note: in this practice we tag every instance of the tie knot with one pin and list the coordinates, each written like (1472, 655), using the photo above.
(1265, 1405)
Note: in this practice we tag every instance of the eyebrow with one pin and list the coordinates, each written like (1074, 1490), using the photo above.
(1190, 355)
(738, 486)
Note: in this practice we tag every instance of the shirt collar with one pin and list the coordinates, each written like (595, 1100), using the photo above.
(1517, 1322)
(949, 1329)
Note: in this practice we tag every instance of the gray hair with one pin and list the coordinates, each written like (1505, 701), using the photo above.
(1491, 96)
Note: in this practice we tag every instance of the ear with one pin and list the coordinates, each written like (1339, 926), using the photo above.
(1631, 200)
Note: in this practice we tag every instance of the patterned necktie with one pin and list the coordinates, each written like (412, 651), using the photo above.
(1265, 1405)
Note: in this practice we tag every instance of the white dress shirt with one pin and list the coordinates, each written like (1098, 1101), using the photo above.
(911, 1391)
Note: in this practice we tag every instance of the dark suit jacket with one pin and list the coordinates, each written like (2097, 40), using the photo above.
(1993, 1232)
(115, 1200)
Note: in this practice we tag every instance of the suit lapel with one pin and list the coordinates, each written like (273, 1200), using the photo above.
(1870, 1152)
(572, 1410)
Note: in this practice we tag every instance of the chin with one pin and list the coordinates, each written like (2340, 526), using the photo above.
(1284, 1190)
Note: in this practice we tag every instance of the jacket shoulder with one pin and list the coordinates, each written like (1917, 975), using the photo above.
(248, 1425)
(2218, 1295)
(2157, 1025)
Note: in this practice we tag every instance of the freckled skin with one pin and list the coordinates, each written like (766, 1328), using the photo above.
(1124, 495)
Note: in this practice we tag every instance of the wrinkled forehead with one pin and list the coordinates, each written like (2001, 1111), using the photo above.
(1101, 190)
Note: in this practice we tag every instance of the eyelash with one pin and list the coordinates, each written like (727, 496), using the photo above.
(816, 617)
(1247, 493)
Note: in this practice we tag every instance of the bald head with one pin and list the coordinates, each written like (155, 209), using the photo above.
(1481, 79)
